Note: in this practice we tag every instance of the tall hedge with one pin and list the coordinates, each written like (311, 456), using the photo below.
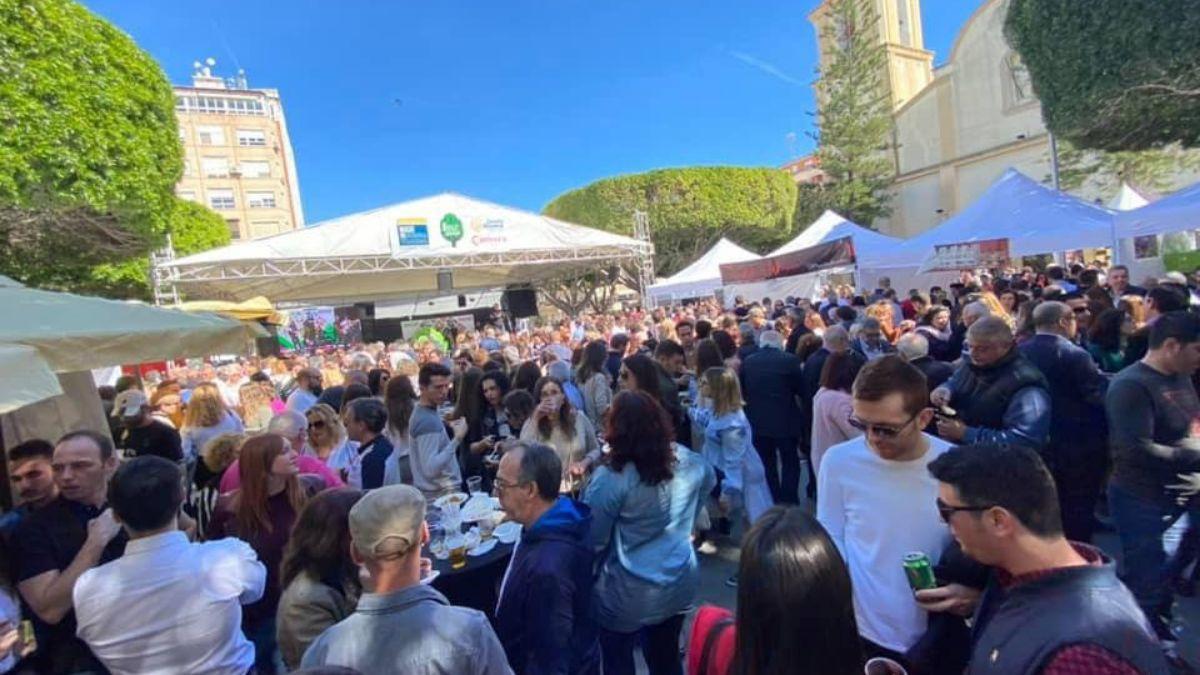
(89, 147)
(1113, 74)
(689, 209)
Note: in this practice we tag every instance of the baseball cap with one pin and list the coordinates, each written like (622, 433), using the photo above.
(129, 403)
(387, 521)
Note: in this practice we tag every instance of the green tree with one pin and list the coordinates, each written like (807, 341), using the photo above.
(689, 209)
(89, 148)
(1113, 75)
(1098, 172)
(854, 121)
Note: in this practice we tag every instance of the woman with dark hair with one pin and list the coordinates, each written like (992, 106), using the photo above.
(495, 387)
(400, 399)
(708, 355)
(556, 424)
(728, 349)
(526, 375)
(594, 383)
(638, 373)
(935, 327)
(261, 512)
(319, 579)
(518, 408)
(377, 379)
(833, 406)
(644, 500)
(469, 406)
(1107, 339)
(795, 615)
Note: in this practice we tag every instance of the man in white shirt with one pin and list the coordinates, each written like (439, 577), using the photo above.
(878, 502)
(308, 386)
(167, 606)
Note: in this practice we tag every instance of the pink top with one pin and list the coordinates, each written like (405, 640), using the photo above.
(831, 422)
(232, 480)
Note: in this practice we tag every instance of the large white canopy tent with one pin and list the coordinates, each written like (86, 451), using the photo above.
(703, 276)
(1177, 214)
(397, 251)
(869, 246)
(1034, 218)
(54, 339)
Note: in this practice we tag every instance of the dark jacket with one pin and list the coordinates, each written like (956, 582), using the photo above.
(544, 617)
(612, 365)
(771, 386)
(1018, 630)
(1078, 427)
(935, 372)
(995, 398)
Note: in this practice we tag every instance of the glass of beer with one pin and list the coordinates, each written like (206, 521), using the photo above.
(457, 544)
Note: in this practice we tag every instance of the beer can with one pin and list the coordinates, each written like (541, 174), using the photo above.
(28, 638)
(919, 571)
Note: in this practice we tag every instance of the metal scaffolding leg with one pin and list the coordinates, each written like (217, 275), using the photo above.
(641, 232)
(162, 275)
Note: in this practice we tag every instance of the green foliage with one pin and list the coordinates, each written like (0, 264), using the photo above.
(689, 209)
(854, 121)
(1113, 74)
(1103, 172)
(89, 148)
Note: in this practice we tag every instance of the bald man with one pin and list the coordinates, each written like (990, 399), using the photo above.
(997, 395)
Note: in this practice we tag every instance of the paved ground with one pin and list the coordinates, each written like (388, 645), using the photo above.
(716, 569)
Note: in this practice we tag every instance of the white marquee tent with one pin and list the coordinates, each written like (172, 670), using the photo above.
(1034, 218)
(869, 245)
(1177, 212)
(703, 276)
(398, 250)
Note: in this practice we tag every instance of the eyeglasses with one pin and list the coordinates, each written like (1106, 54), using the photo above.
(881, 430)
(946, 511)
(500, 485)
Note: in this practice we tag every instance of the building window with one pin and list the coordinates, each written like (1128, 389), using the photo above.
(260, 200)
(251, 138)
(215, 167)
(263, 228)
(211, 135)
(235, 228)
(219, 105)
(256, 169)
(221, 200)
(189, 195)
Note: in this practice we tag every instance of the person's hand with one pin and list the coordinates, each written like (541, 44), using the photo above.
(459, 427)
(951, 429)
(187, 525)
(953, 599)
(103, 528)
(9, 637)
(940, 396)
(1187, 487)
(426, 567)
(579, 468)
(907, 325)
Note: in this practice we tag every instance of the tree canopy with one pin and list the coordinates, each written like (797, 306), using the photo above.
(689, 209)
(1113, 75)
(89, 147)
(854, 121)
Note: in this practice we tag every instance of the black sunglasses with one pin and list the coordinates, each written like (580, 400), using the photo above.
(317, 424)
(946, 511)
(880, 430)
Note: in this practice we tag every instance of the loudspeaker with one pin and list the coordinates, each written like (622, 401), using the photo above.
(445, 280)
(462, 301)
(520, 302)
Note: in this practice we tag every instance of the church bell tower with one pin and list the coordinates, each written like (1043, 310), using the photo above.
(909, 64)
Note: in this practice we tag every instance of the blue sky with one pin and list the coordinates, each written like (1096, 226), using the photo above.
(513, 101)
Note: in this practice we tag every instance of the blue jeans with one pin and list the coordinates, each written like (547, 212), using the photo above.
(1141, 524)
(660, 647)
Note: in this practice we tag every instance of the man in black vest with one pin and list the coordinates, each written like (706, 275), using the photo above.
(998, 395)
(1052, 606)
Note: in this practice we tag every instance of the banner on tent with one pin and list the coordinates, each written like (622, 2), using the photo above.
(836, 253)
(986, 254)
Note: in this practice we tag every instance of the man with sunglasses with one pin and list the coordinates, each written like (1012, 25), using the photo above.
(1052, 607)
(876, 500)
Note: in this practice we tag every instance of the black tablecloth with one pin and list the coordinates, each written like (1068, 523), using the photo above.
(478, 584)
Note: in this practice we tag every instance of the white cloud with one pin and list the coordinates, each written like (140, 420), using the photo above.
(765, 67)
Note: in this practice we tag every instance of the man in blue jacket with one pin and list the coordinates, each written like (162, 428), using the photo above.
(543, 617)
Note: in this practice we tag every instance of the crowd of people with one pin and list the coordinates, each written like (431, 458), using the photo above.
(270, 514)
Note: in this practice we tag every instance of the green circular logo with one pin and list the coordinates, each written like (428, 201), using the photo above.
(452, 229)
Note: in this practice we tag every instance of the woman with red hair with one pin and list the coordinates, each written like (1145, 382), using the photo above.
(261, 512)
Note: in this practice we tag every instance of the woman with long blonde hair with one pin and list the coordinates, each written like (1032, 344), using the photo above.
(328, 440)
(1135, 307)
(205, 418)
(990, 300)
(261, 512)
(255, 402)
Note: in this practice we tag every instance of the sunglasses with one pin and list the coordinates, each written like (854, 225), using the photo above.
(316, 424)
(946, 511)
(881, 430)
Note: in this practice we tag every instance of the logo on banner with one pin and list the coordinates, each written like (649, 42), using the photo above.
(412, 232)
(452, 229)
(487, 231)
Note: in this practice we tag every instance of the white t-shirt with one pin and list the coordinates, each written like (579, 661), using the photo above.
(876, 511)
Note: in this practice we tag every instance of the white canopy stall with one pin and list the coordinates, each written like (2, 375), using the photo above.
(703, 276)
(398, 251)
(1170, 220)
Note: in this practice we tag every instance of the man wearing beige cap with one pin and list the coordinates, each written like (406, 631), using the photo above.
(402, 625)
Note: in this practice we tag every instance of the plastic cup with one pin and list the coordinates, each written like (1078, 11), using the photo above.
(475, 484)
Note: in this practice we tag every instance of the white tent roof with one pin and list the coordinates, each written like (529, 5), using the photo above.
(868, 244)
(1127, 199)
(1176, 212)
(397, 250)
(1034, 218)
(62, 332)
(703, 276)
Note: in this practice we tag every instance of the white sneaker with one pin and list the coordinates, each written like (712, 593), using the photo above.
(707, 548)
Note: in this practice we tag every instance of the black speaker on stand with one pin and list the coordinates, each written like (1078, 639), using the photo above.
(520, 302)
